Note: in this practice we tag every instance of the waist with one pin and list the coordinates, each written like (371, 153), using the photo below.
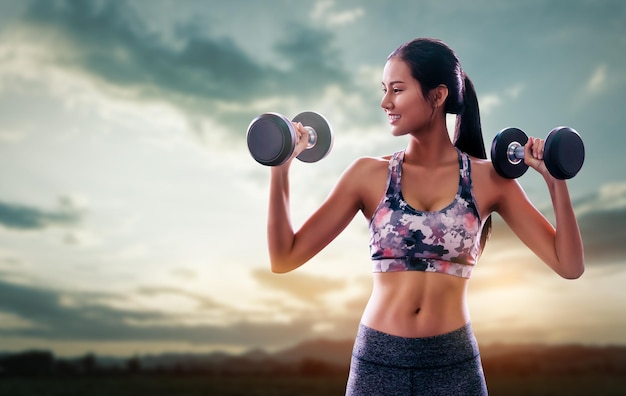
(416, 304)
(423, 352)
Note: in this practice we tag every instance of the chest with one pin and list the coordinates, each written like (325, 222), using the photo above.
(429, 189)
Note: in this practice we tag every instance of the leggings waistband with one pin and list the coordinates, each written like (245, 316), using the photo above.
(417, 353)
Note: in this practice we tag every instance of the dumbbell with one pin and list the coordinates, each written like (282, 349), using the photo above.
(272, 138)
(563, 153)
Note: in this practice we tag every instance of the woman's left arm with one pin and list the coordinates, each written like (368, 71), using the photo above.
(560, 247)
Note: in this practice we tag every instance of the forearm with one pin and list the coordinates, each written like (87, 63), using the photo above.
(568, 241)
(280, 233)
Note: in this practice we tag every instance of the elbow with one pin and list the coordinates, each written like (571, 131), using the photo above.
(278, 269)
(282, 263)
(282, 267)
(574, 273)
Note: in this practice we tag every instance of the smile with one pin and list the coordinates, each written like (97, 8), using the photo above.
(393, 117)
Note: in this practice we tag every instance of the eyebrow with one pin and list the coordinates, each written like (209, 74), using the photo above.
(393, 82)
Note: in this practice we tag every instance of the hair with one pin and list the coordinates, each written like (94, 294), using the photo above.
(433, 63)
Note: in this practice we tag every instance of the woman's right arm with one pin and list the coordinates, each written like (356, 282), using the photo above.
(288, 249)
(280, 235)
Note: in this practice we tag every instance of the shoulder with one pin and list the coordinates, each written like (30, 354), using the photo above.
(364, 172)
(489, 187)
(367, 165)
(482, 169)
(365, 180)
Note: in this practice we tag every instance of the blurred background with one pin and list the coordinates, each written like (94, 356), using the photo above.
(132, 217)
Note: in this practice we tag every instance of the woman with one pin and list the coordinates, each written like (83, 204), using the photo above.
(429, 209)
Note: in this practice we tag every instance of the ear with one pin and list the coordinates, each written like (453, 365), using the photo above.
(438, 95)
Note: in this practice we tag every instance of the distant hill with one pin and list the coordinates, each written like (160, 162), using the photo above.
(330, 351)
(554, 359)
(322, 356)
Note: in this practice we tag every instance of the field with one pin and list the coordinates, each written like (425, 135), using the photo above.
(316, 368)
(196, 385)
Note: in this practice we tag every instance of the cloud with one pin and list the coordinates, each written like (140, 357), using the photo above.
(307, 288)
(325, 13)
(609, 197)
(601, 217)
(57, 315)
(515, 91)
(184, 274)
(201, 76)
(604, 235)
(112, 42)
(22, 217)
(45, 313)
(200, 300)
(597, 81)
(490, 101)
(11, 136)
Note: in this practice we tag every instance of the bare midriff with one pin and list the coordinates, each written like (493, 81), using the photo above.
(416, 304)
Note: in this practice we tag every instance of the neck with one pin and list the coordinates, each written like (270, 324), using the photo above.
(430, 148)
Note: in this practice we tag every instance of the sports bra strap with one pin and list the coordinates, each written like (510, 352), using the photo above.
(395, 172)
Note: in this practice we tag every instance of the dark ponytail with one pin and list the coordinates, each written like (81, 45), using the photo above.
(432, 62)
(468, 137)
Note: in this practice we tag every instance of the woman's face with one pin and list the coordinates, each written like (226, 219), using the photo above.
(403, 102)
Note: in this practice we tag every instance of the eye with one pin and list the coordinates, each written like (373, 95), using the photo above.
(394, 90)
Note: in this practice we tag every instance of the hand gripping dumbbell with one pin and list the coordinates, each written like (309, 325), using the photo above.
(272, 138)
(563, 153)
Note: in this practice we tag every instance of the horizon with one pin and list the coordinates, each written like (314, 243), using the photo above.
(488, 348)
(132, 216)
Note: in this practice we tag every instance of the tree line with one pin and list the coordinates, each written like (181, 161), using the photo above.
(44, 363)
(505, 360)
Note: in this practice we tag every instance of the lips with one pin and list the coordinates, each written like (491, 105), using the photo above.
(393, 118)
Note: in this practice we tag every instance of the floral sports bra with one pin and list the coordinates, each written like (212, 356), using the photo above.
(445, 241)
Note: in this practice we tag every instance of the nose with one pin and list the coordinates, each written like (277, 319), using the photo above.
(386, 103)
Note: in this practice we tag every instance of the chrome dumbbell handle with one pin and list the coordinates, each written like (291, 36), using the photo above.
(312, 137)
(515, 152)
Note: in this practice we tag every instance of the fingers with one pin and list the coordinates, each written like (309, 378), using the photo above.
(535, 147)
(302, 138)
(300, 131)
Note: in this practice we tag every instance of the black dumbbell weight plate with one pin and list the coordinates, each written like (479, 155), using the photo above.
(271, 139)
(564, 153)
(324, 142)
(500, 153)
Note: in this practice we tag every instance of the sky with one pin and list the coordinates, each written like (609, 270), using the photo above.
(132, 216)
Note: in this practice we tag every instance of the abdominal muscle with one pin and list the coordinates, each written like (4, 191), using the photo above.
(416, 304)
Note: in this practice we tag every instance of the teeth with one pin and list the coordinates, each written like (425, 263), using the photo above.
(393, 117)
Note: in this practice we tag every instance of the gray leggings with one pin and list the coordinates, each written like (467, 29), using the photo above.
(447, 364)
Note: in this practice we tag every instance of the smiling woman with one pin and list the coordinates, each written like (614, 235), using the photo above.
(428, 209)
